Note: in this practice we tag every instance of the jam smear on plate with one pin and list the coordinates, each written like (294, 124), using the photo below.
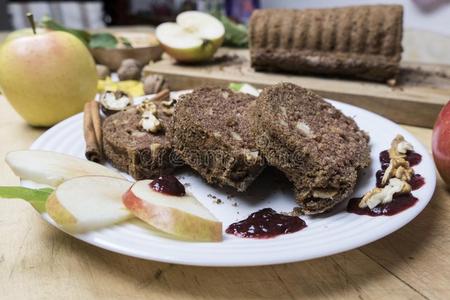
(266, 223)
(412, 157)
(384, 159)
(168, 184)
(400, 202)
(417, 181)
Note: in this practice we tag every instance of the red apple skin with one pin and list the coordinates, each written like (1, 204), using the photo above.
(441, 143)
(173, 221)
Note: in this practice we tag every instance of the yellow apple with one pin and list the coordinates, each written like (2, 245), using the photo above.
(53, 168)
(195, 36)
(88, 203)
(23, 32)
(47, 77)
(183, 217)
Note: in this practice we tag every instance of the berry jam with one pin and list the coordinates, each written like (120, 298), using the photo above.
(416, 182)
(379, 175)
(169, 185)
(266, 223)
(384, 159)
(399, 203)
(412, 157)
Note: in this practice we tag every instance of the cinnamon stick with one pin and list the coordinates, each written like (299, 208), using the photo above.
(92, 151)
(164, 94)
(97, 123)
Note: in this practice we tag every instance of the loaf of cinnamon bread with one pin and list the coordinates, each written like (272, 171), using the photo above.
(358, 41)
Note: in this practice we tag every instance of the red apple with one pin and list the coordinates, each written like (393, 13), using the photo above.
(441, 143)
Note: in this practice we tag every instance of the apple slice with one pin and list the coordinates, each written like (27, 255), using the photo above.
(183, 217)
(53, 168)
(194, 37)
(88, 202)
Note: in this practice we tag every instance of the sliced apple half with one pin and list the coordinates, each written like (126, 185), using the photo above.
(194, 37)
(88, 203)
(183, 217)
(53, 168)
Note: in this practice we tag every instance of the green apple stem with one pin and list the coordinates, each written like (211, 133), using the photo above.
(31, 20)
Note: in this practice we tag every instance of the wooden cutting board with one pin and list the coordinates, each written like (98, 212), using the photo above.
(420, 93)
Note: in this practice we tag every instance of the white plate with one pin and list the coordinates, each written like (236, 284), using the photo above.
(325, 235)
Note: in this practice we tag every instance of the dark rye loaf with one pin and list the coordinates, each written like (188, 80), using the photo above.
(358, 41)
(211, 132)
(141, 154)
(318, 148)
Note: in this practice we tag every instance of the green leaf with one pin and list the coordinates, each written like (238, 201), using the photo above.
(36, 197)
(51, 24)
(126, 42)
(244, 88)
(236, 35)
(235, 86)
(103, 40)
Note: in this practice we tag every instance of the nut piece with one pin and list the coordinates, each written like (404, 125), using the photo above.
(149, 122)
(112, 102)
(129, 70)
(404, 147)
(168, 106)
(169, 103)
(147, 105)
(399, 147)
(324, 193)
(168, 111)
(155, 149)
(154, 84)
(381, 196)
(398, 165)
(102, 71)
(251, 156)
(284, 123)
(304, 128)
(398, 168)
(236, 136)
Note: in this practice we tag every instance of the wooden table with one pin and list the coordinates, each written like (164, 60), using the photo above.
(38, 261)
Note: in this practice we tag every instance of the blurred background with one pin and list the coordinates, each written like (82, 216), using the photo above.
(424, 20)
(431, 15)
